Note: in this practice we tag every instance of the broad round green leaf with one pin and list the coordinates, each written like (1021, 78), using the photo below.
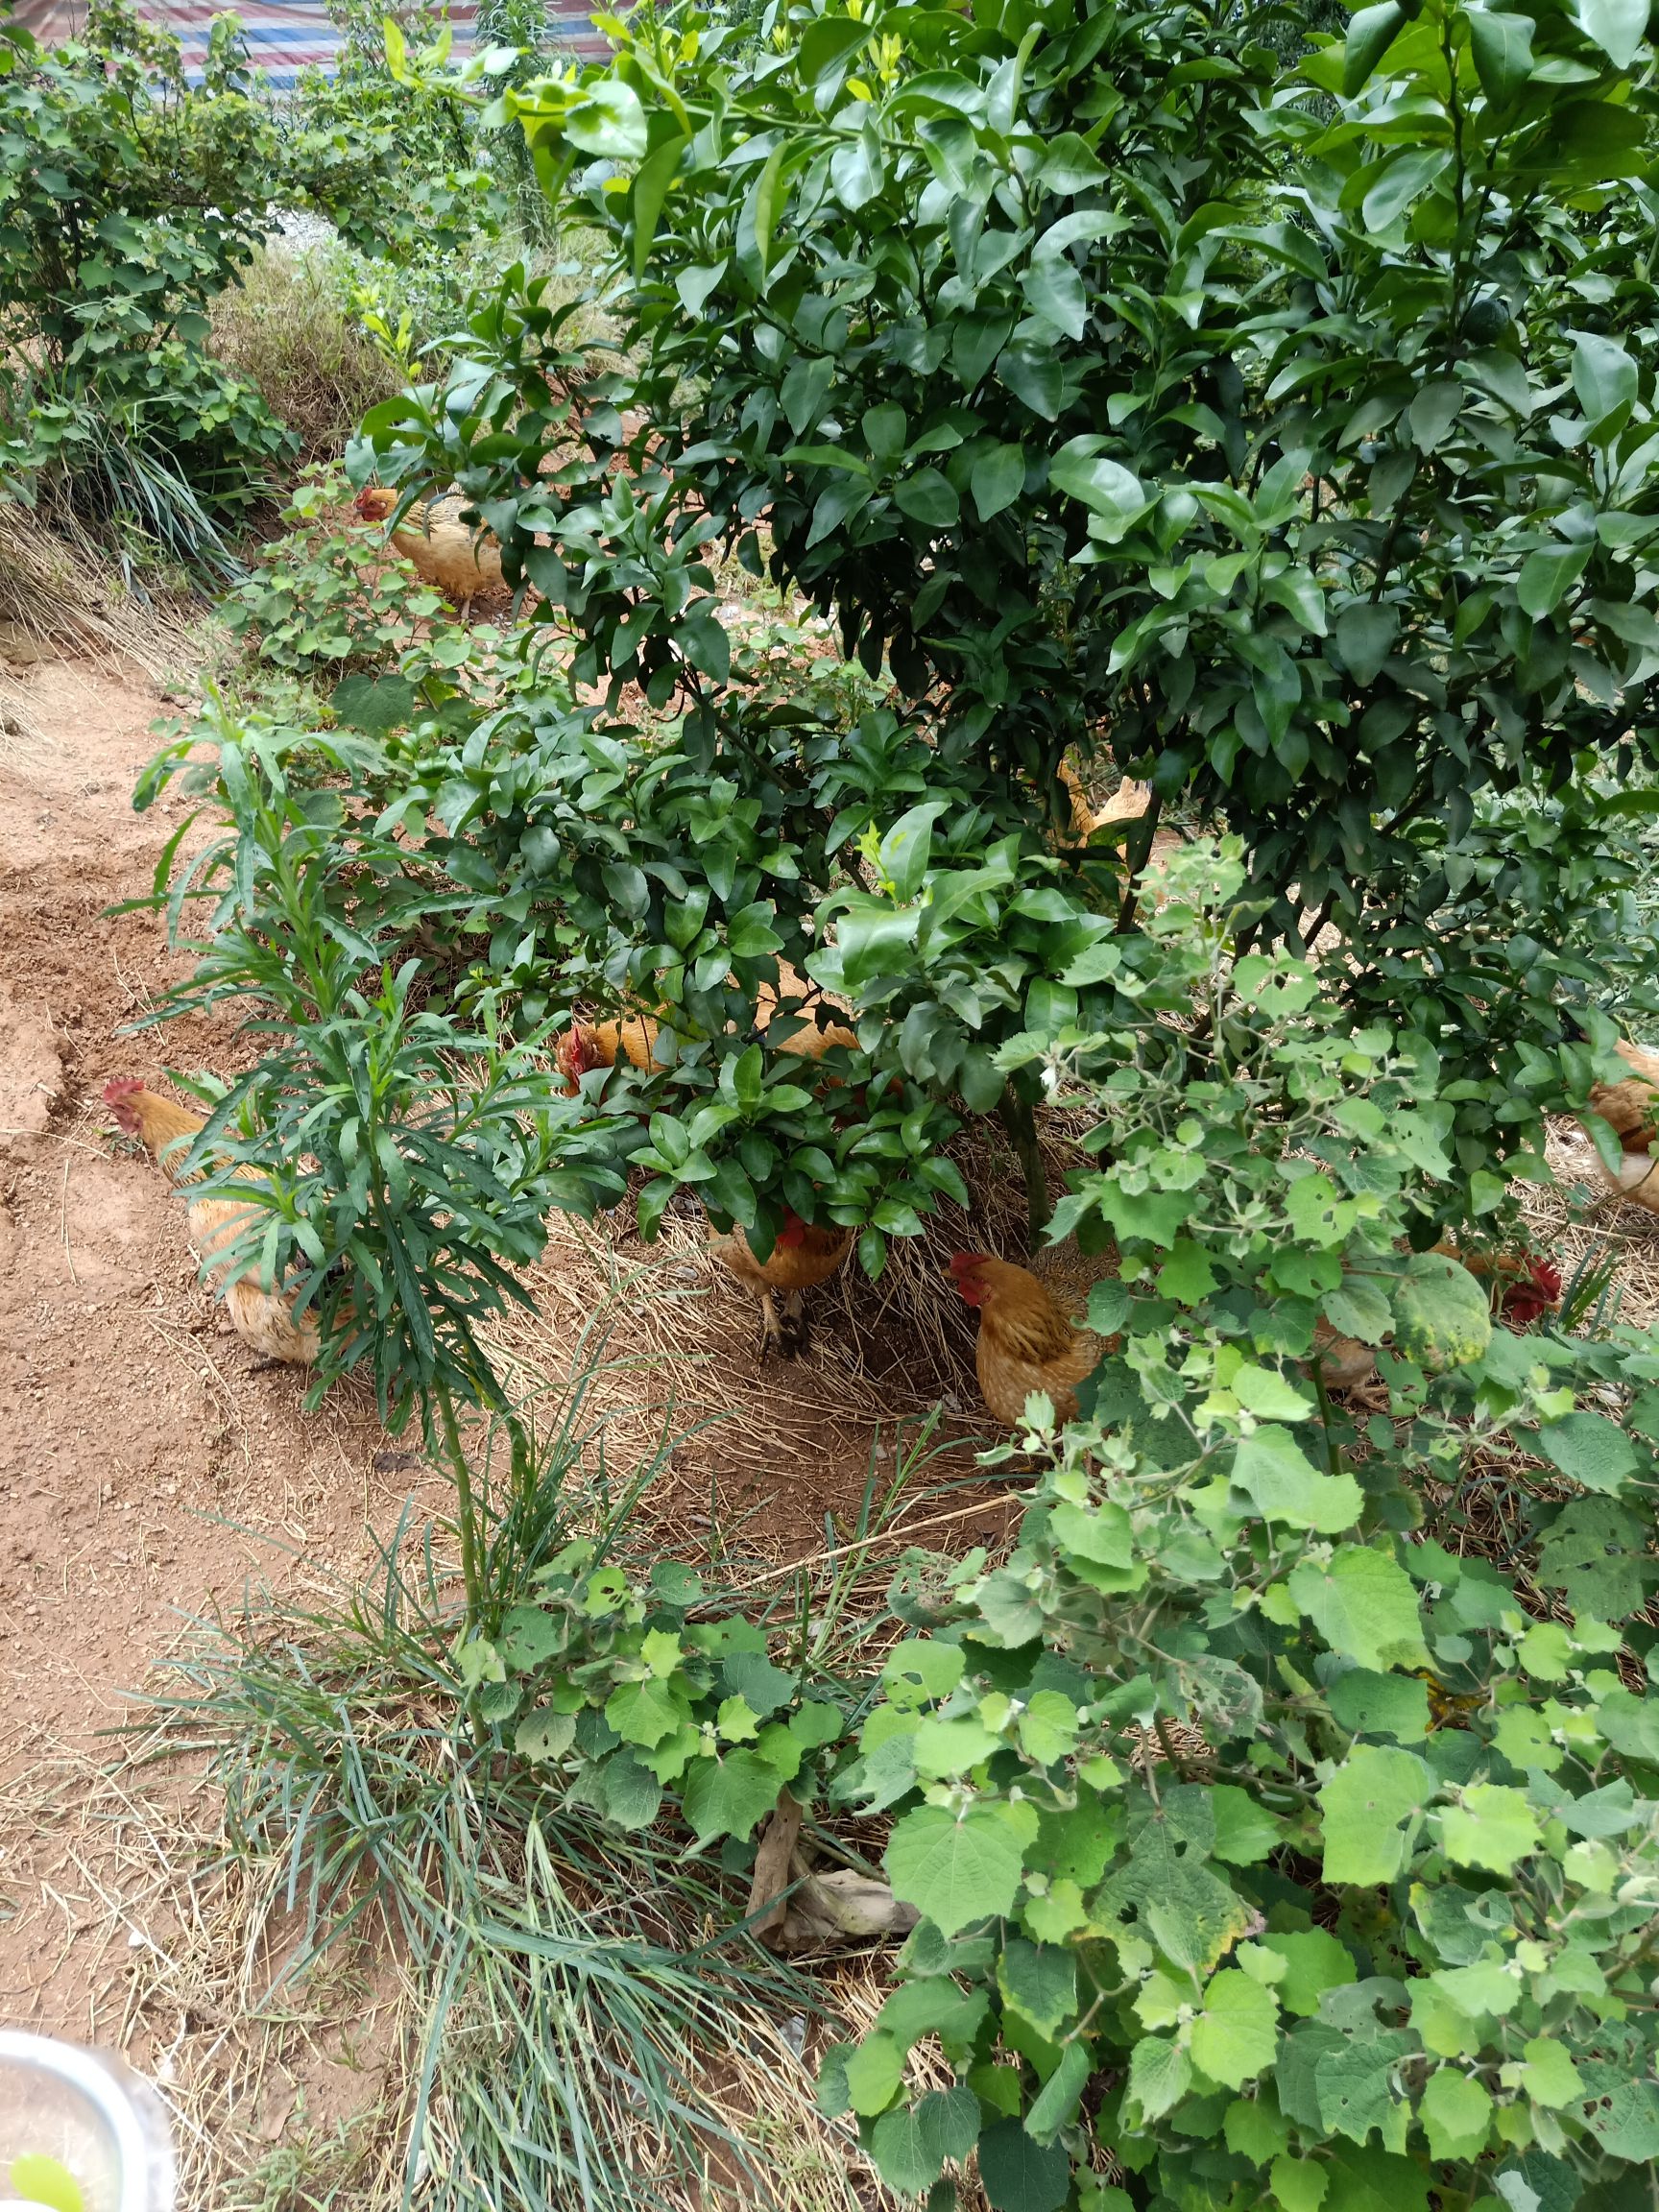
(960, 1869)
(1370, 1809)
(1591, 1449)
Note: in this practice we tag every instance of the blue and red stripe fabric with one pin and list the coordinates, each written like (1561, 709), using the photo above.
(287, 36)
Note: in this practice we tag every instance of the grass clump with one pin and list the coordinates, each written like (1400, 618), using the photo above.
(590, 2021)
(287, 327)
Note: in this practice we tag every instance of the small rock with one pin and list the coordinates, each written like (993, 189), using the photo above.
(21, 648)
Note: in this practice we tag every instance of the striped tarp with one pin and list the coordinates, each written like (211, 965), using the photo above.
(287, 36)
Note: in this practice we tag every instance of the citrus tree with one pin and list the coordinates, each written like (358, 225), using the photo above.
(1281, 431)
(129, 199)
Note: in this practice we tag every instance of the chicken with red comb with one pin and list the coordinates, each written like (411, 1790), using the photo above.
(1025, 1341)
(806, 1254)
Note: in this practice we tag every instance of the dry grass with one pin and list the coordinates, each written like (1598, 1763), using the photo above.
(763, 1453)
(292, 2093)
(286, 330)
(58, 594)
(1578, 1224)
(171, 1940)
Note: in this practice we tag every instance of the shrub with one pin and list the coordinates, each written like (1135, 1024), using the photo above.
(1277, 1852)
(406, 1162)
(1262, 1840)
(396, 170)
(129, 202)
(328, 595)
(1064, 375)
(411, 307)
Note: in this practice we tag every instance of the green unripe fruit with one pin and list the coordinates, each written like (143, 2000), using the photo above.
(1486, 320)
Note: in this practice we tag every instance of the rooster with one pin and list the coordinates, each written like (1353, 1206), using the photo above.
(590, 1044)
(1528, 1285)
(264, 1319)
(1532, 1295)
(443, 548)
(1025, 1341)
(807, 1253)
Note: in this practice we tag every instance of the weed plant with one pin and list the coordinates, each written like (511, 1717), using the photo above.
(586, 1994)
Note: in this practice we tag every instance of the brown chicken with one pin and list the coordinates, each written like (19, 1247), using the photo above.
(807, 1253)
(446, 552)
(1631, 1108)
(588, 1044)
(808, 1041)
(1025, 1341)
(1637, 1178)
(811, 1043)
(264, 1319)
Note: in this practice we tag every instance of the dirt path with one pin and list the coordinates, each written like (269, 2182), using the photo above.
(147, 1474)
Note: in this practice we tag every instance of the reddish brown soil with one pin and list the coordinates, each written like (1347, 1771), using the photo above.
(132, 1433)
(147, 1474)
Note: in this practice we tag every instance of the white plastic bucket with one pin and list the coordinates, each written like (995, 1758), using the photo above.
(87, 2110)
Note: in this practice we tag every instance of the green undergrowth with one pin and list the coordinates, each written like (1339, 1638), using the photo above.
(590, 2006)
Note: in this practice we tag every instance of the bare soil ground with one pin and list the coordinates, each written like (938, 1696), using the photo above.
(147, 1469)
(148, 1476)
